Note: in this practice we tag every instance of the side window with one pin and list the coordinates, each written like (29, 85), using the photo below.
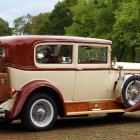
(91, 55)
(2, 52)
(50, 54)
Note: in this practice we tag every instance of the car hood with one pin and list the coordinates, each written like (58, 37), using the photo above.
(127, 65)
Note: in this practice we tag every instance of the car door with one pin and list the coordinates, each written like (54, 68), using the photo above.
(93, 75)
(56, 65)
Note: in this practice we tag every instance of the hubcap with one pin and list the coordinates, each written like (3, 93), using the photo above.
(41, 113)
(133, 92)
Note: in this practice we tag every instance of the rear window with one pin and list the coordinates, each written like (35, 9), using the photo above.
(2, 52)
(50, 54)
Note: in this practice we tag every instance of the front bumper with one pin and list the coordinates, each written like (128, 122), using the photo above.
(134, 107)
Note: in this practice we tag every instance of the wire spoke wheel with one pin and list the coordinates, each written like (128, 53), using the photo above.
(133, 92)
(39, 113)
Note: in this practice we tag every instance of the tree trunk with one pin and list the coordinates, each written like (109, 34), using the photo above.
(133, 54)
(122, 50)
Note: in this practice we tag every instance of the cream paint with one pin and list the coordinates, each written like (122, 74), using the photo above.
(95, 85)
(63, 80)
(88, 86)
(82, 85)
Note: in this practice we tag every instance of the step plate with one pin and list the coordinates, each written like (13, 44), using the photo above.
(95, 112)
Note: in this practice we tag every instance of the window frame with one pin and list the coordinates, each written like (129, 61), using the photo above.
(95, 65)
(53, 65)
(96, 47)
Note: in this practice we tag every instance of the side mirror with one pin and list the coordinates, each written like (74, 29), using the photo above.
(120, 67)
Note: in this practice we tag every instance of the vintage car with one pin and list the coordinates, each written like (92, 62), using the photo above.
(42, 77)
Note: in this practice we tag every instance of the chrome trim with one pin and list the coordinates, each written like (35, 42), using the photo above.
(2, 113)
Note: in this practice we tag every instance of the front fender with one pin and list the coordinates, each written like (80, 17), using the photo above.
(119, 86)
(25, 91)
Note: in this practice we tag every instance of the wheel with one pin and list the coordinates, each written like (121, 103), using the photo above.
(39, 112)
(131, 91)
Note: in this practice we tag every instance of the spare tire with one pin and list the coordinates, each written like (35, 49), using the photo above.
(131, 91)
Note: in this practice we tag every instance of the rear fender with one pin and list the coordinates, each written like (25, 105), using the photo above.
(24, 93)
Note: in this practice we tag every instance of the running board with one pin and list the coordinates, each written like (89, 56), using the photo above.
(95, 111)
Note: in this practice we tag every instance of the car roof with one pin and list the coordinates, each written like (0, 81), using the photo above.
(34, 38)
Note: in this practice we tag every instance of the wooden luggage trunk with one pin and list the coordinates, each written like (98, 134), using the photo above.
(4, 87)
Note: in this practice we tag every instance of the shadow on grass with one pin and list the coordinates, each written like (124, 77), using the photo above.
(11, 127)
(97, 120)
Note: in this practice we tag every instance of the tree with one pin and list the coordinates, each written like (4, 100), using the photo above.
(83, 21)
(38, 21)
(4, 28)
(127, 29)
(93, 18)
(59, 19)
(22, 25)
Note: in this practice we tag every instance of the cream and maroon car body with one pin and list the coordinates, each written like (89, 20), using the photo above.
(82, 81)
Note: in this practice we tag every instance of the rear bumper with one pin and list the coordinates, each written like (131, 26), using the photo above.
(5, 108)
(2, 113)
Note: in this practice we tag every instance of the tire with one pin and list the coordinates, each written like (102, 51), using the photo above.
(39, 112)
(131, 91)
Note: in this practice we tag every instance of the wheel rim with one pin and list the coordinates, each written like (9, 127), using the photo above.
(133, 92)
(41, 113)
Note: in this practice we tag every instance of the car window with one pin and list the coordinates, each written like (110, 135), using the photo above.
(50, 54)
(2, 52)
(92, 55)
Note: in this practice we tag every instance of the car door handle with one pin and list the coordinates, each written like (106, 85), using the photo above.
(79, 69)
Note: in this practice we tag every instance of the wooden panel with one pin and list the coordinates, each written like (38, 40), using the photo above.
(88, 106)
(119, 100)
(2, 68)
(4, 87)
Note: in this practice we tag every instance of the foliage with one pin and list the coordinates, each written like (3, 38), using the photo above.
(110, 19)
(83, 22)
(93, 18)
(22, 25)
(127, 29)
(118, 20)
(4, 28)
(59, 18)
(38, 22)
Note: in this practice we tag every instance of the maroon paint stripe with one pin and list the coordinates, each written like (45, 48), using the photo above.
(72, 41)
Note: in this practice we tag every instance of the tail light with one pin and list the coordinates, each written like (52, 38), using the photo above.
(12, 91)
